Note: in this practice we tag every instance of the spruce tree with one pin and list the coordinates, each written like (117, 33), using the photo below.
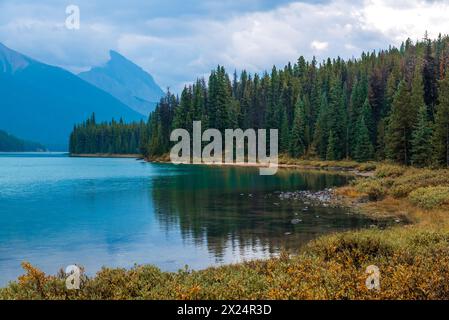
(421, 137)
(321, 132)
(284, 133)
(400, 125)
(359, 95)
(422, 132)
(337, 119)
(364, 149)
(367, 113)
(297, 137)
(441, 133)
(332, 152)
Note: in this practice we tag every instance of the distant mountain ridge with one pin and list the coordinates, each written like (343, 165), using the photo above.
(12, 61)
(41, 103)
(127, 82)
(10, 143)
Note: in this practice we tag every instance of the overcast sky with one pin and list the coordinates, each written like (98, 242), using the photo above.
(178, 41)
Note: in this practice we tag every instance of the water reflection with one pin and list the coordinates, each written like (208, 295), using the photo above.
(237, 209)
(56, 211)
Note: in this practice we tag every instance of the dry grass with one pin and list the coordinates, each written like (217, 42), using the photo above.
(426, 188)
(349, 192)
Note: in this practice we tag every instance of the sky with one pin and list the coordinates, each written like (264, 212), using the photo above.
(179, 41)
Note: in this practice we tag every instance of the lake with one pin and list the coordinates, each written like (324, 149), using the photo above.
(56, 211)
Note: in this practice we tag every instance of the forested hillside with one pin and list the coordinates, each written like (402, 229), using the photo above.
(9, 143)
(113, 137)
(390, 104)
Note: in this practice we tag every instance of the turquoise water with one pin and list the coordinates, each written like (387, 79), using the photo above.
(56, 210)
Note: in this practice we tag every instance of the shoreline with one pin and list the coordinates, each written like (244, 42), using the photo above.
(105, 155)
(336, 168)
(320, 165)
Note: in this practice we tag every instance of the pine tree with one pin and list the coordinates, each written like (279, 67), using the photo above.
(429, 74)
(332, 147)
(321, 134)
(284, 133)
(297, 138)
(359, 95)
(441, 132)
(400, 125)
(337, 119)
(422, 131)
(422, 134)
(183, 113)
(367, 113)
(363, 150)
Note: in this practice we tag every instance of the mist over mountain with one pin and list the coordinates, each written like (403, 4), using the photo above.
(127, 82)
(41, 103)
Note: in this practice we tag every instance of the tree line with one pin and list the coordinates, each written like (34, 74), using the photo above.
(392, 104)
(110, 138)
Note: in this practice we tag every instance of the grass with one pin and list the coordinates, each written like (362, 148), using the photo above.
(413, 259)
(399, 182)
(430, 197)
(323, 164)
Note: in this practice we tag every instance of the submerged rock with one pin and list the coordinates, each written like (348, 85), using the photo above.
(325, 197)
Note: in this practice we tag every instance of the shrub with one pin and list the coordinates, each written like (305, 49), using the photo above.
(389, 170)
(367, 166)
(418, 179)
(414, 264)
(372, 187)
(430, 197)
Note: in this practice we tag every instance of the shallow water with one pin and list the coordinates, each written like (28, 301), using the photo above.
(56, 210)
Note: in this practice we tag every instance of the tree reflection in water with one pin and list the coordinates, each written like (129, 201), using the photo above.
(236, 209)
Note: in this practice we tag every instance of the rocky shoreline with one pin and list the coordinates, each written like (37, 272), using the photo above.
(325, 198)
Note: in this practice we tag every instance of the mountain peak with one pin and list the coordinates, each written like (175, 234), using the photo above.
(116, 56)
(119, 64)
(126, 81)
(12, 61)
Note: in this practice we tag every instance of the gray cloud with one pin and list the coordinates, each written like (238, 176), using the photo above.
(178, 41)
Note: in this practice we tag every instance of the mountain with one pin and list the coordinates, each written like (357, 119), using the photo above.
(10, 143)
(42, 103)
(127, 82)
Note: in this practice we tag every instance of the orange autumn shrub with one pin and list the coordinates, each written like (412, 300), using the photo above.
(413, 264)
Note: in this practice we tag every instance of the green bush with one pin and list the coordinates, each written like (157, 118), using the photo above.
(407, 183)
(372, 187)
(430, 197)
(367, 166)
(389, 170)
